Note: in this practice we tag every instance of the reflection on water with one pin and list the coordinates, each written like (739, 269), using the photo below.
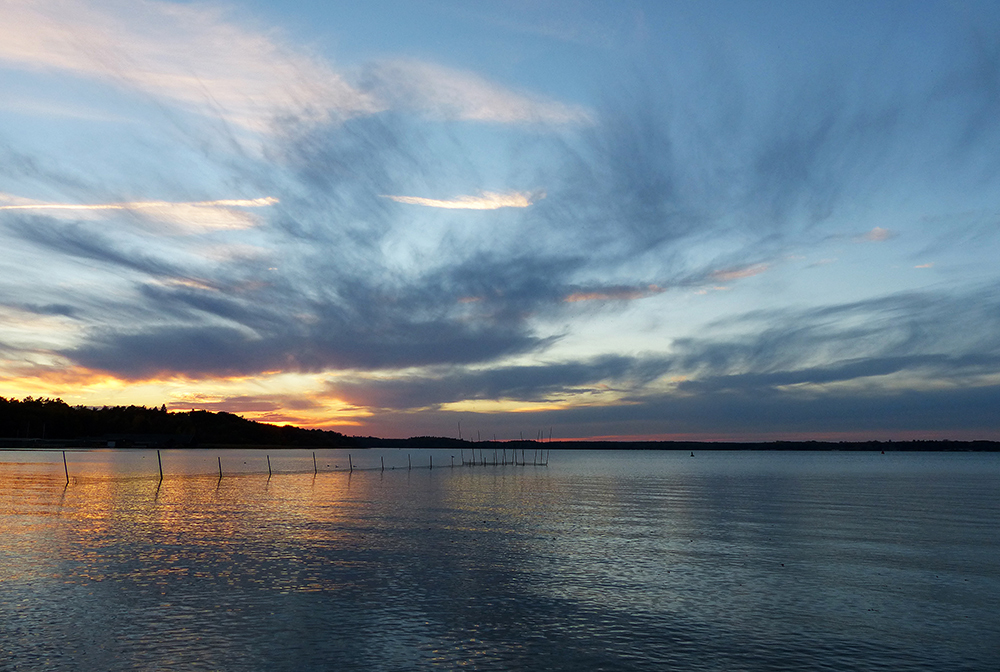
(728, 561)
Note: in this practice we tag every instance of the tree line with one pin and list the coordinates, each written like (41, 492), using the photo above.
(45, 419)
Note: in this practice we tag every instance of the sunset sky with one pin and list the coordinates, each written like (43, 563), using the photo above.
(646, 220)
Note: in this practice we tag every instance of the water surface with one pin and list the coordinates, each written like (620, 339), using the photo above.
(599, 561)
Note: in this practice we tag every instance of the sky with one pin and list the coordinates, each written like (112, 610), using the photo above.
(629, 220)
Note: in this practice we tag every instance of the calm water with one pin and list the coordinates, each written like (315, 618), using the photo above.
(627, 561)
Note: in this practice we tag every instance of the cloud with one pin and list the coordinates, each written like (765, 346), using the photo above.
(614, 294)
(728, 274)
(527, 383)
(190, 55)
(206, 350)
(77, 240)
(876, 235)
(201, 59)
(486, 200)
(928, 265)
(192, 215)
(916, 362)
(145, 205)
(663, 185)
(928, 336)
(245, 403)
(445, 93)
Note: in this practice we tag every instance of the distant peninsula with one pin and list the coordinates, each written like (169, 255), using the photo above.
(41, 423)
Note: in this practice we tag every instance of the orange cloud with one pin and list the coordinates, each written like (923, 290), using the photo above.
(739, 273)
(615, 294)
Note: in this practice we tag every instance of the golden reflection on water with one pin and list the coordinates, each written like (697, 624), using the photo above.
(138, 529)
(486, 567)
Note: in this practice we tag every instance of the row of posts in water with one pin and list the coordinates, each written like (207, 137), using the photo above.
(539, 458)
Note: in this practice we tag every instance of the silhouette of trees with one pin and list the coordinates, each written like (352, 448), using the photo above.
(54, 419)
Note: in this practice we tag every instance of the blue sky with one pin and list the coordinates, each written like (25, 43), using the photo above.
(726, 220)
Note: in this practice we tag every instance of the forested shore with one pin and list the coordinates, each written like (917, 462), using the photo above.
(30, 422)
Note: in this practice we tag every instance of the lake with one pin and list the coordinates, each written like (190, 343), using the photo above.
(639, 560)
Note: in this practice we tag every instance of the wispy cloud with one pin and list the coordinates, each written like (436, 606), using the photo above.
(728, 274)
(445, 93)
(147, 205)
(191, 55)
(688, 191)
(527, 383)
(876, 235)
(486, 200)
(181, 215)
(202, 59)
(614, 294)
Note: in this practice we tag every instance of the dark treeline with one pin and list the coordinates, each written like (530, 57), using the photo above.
(34, 422)
(413, 442)
(28, 421)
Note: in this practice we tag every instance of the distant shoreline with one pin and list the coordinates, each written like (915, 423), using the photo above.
(815, 446)
(431, 443)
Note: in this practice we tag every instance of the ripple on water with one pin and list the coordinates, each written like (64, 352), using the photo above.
(649, 563)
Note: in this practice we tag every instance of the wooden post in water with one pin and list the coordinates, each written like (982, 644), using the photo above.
(65, 467)
(409, 464)
(431, 458)
(383, 462)
(159, 464)
(220, 467)
(452, 461)
(268, 465)
(463, 457)
(350, 462)
(315, 468)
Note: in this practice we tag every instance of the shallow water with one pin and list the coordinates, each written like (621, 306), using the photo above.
(599, 561)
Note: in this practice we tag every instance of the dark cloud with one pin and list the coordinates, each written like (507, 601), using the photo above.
(910, 330)
(249, 404)
(86, 241)
(751, 412)
(781, 371)
(339, 174)
(331, 343)
(61, 309)
(941, 366)
(519, 383)
(957, 412)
